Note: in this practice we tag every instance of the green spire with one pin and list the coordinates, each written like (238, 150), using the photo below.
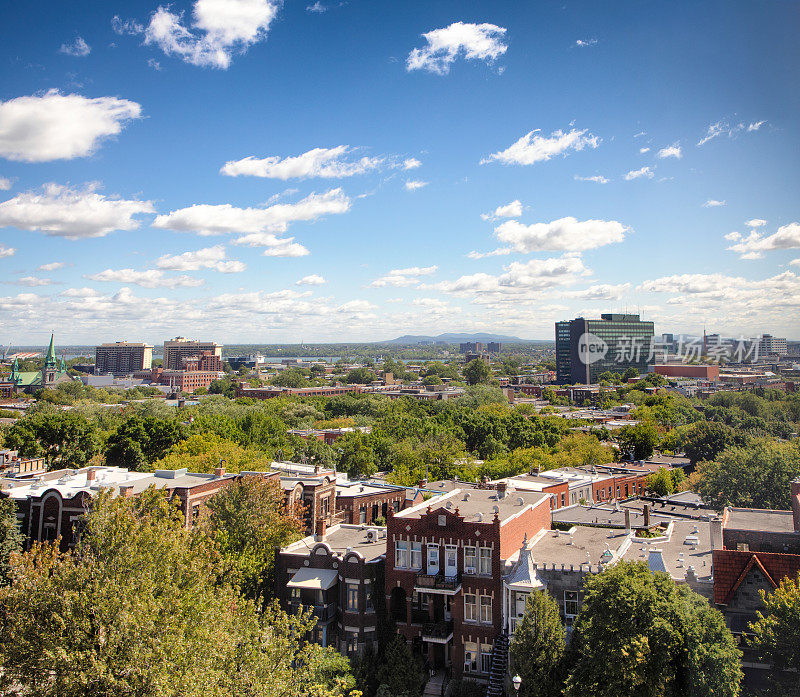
(51, 353)
(15, 370)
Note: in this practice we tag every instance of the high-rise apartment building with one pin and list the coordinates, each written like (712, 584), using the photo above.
(180, 347)
(773, 345)
(122, 357)
(586, 348)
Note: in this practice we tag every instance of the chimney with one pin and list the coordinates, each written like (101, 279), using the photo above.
(646, 513)
(126, 491)
(501, 489)
(219, 471)
(320, 530)
(795, 496)
(716, 533)
(628, 519)
(90, 475)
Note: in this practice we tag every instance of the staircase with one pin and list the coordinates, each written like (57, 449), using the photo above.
(497, 674)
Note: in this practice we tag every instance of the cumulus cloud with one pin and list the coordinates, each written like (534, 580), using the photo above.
(208, 258)
(794, 262)
(52, 266)
(584, 43)
(78, 48)
(72, 213)
(6, 252)
(356, 307)
(317, 8)
(399, 278)
(414, 184)
(126, 26)
(326, 163)
(602, 291)
(670, 151)
(411, 163)
(55, 126)
(756, 243)
(32, 281)
(5, 184)
(756, 222)
(150, 278)
(460, 39)
(219, 29)
(256, 225)
(532, 148)
(642, 151)
(509, 210)
(713, 203)
(725, 128)
(644, 172)
(565, 234)
(312, 280)
(597, 178)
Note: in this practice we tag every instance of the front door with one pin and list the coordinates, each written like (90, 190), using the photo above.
(451, 560)
(433, 559)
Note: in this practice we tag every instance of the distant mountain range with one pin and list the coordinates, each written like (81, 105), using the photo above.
(455, 338)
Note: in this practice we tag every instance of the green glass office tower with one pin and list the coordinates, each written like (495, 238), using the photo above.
(585, 348)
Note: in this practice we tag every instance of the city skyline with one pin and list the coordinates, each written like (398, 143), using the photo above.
(357, 171)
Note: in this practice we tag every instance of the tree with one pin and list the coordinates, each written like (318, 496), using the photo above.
(360, 376)
(640, 440)
(64, 439)
(356, 457)
(432, 380)
(776, 632)
(139, 609)
(11, 538)
(630, 373)
(477, 372)
(756, 476)
(224, 386)
(248, 522)
(293, 377)
(141, 439)
(661, 640)
(704, 440)
(661, 482)
(537, 647)
(399, 675)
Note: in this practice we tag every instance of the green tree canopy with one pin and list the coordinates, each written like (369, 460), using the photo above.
(639, 440)
(11, 538)
(64, 439)
(477, 372)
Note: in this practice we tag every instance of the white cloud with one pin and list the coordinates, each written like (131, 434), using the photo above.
(317, 7)
(602, 291)
(434, 305)
(724, 128)
(326, 163)
(756, 243)
(72, 213)
(399, 278)
(533, 148)
(642, 151)
(583, 43)
(414, 184)
(154, 64)
(312, 280)
(756, 222)
(81, 293)
(794, 262)
(128, 26)
(33, 281)
(151, 278)
(645, 172)
(52, 266)
(219, 29)
(565, 234)
(5, 184)
(472, 41)
(670, 151)
(6, 252)
(208, 258)
(356, 307)
(284, 248)
(78, 48)
(253, 223)
(509, 210)
(733, 236)
(411, 163)
(713, 203)
(500, 252)
(56, 126)
(597, 178)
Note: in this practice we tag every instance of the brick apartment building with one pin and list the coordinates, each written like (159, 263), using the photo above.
(326, 435)
(271, 392)
(12, 465)
(122, 358)
(316, 494)
(365, 502)
(180, 348)
(51, 505)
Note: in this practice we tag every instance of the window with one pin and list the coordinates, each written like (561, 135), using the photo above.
(352, 597)
(484, 560)
(295, 595)
(571, 606)
(416, 555)
(470, 657)
(470, 560)
(450, 560)
(563, 499)
(486, 609)
(368, 606)
(486, 658)
(362, 514)
(401, 554)
(470, 608)
(352, 643)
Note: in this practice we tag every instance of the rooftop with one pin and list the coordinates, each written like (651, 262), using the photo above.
(689, 544)
(368, 541)
(759, 519)
(478, 505)
(584, 545)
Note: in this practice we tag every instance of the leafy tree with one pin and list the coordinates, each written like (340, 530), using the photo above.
(630, 373)
(64, 439)
(11, 538)
(399, 674)
(704, 440)
(776, 632)
(432, 380)
(477, 372)
(537, 647)
(224, 386)
(292, 377)
(662, 640)
(141, 439)
(248, 521)
(756, 476)
(356, 457)
(360, 376)
(138, 609)
(203, 452)
(661, 482)
(640, 439)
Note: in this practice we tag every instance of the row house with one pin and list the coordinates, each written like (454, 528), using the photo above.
(363, 502)
(12, 465)
(444, 570)
(316, 496)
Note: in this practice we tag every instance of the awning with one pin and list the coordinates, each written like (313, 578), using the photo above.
(314, 579)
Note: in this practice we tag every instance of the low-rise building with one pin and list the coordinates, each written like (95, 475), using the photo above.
(14, 466)
(364, 502)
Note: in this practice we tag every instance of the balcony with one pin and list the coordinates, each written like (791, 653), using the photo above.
(323, 613)
(437, 583)
(437, 632)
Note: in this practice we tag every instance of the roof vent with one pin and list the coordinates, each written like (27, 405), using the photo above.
(466, 496)
(520, 501)
(495, 509)
(480, 516)
(449, 505)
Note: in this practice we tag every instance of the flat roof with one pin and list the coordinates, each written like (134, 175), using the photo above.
(478, 505)
(355, 489)
(585, 545)
(759, 519)
(342, 537)
(677, 552)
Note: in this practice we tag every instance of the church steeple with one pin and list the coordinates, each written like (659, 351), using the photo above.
(50, 359)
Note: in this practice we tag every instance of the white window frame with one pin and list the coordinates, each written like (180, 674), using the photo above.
(470, 608)
(401, 554)
(486, 609)
(416, 555)
(572, 601)
(351, 592)
(470, 559)
(485, 561)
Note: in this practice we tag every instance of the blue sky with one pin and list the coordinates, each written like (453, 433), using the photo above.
(254, 171)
